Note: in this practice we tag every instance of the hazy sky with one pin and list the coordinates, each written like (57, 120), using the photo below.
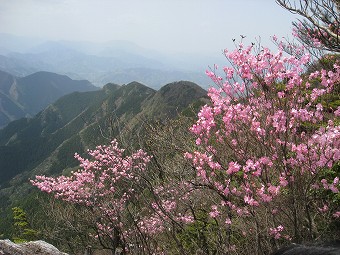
(166, 25)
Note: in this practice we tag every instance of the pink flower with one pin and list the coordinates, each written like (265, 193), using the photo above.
(251, 201)
(274, 190)
(337, 112)
(336, 214)
(228, 221)
(214, 212)
(324, 208)
(234, 167)
(276, 232)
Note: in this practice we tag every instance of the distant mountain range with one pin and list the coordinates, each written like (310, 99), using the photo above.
(116, 61)
(26, 96)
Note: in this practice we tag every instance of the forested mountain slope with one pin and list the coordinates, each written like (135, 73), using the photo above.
(26, 96)
(46, 143)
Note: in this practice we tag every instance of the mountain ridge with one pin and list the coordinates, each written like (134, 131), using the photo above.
(85, 119)
(26, 96)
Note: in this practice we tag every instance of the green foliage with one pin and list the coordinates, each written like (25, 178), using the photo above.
(330, 174)
(23, 231)
(325, 62)
(192, 109)
(326, 202)
(65, 155)
(200, 234)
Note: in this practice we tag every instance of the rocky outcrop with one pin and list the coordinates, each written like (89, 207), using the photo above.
(30, 248)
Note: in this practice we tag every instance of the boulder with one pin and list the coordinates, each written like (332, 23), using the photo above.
(30, 248)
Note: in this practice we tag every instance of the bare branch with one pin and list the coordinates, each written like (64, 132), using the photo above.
(321, 22)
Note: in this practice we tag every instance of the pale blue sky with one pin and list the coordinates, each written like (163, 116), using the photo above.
(192, 26)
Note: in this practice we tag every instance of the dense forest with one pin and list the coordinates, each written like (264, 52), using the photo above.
(246, 169)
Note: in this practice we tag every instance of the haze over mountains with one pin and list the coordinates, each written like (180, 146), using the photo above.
(120, 62)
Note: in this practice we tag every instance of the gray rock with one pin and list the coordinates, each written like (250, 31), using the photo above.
(30, 248)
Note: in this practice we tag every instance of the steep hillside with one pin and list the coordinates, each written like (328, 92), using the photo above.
(10, 109)
(20, 97)
(75, 122)
(38, 90)
(172, 98)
